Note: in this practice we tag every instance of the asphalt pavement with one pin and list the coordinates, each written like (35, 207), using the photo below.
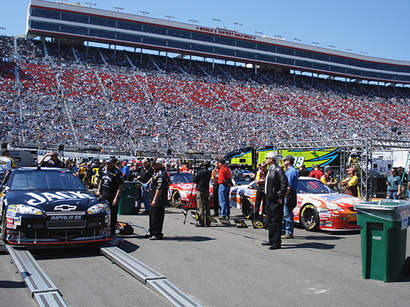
(219, 266)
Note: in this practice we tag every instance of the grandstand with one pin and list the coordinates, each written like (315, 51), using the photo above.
(57, 87)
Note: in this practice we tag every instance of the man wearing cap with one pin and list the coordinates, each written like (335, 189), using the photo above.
(276, 185)
(225, 182)
(350, 183)
(328, 178)
(159, 186)
(110, 187)
(290, 198)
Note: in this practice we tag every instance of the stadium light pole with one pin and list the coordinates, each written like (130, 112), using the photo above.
(170, 17)
(217, 20)
(91, 4)
(117, 8)
(144, 13)
(237, 24)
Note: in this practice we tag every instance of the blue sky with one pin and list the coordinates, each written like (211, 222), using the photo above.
(375, 28)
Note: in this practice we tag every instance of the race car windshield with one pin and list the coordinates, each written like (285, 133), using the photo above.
(312, 187)
(45, 180)
(181, 178)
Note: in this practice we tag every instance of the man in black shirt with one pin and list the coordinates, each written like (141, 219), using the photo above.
(109, 189)
(159, 186)
(144, 176)
(54, 161)
(202, 179)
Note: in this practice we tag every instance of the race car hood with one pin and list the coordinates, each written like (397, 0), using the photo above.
(53, 200)
(327, 200)
(187, 187)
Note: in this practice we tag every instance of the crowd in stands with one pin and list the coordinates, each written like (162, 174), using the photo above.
(123, 100)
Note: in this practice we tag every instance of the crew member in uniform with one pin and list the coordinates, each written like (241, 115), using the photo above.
(159, 187)
(276, 185)
(202, 179)
(6, 163)
(110, 187)
(260, 190)
(214, 177)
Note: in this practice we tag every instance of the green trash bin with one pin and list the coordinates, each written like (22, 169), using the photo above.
(384, 238)
(128, 197)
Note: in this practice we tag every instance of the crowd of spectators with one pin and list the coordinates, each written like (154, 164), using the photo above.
(103, 97)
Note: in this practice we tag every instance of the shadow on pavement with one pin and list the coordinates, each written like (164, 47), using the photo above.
(315, 245)
(7, 284)
(61, 253)
(324, 238)
(128, 246)
(188, 238)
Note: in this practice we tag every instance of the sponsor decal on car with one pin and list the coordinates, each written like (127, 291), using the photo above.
(41, 198)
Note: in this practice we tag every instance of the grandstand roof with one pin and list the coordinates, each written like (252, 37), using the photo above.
(91, 24)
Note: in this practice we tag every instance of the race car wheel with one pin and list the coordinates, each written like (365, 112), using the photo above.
(246, 208)
(309, 217)
(176, 199)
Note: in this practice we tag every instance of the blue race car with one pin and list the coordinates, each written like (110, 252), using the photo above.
(50, 206)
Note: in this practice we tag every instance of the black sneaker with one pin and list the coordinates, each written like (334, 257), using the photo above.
(274, 247)
(266, 243)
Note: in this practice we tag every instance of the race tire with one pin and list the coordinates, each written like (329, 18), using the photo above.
(246, 208)
(175, 199)
(309, 218)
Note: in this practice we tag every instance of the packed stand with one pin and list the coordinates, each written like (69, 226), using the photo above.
(121, 100)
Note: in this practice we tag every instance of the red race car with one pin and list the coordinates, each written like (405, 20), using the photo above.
(182, 191)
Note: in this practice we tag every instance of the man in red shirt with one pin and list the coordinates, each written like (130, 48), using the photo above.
(225, 182)
(316, 172)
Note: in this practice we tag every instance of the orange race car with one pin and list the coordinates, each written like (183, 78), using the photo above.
(318, 207)
(182, 191)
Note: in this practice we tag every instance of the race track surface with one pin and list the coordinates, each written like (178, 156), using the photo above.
(219, 266)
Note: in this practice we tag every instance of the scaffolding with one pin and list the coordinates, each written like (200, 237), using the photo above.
(362, 149)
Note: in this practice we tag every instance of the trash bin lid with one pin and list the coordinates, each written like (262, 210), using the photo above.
(384, 204)
(391, 210)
